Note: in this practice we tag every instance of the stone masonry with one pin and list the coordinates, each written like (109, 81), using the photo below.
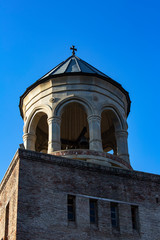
(9, 194)
(37, 185)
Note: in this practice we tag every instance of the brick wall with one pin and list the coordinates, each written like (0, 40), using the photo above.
(45, 182)
(9, 195)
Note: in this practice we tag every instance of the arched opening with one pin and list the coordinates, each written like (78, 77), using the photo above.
(74, 127)
(41, 132)
(108, 132)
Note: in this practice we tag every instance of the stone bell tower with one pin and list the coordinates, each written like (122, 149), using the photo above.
(78, 112)
(73, 179)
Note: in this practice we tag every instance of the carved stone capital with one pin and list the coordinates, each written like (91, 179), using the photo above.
(29, 136)
(53, 120)
(94, 118)
(121, 133)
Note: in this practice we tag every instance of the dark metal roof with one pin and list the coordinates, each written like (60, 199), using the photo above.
(74, 66)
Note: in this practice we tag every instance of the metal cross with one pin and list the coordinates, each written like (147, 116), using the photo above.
(73, 49)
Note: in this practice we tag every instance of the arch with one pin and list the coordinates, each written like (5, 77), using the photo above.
(111, 121)
(38, 129)
(74, 127)
(41, 131)
(114, 132)
(119, 121)
(58, 111)
(44, 109)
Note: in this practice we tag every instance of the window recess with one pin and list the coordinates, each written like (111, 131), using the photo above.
(93, 211)
(71, 208)
(114, 215)
(135, 217)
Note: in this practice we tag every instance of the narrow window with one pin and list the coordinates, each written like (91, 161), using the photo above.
(7, 222)
(71, 208)
(134, 214)
(114, 215)
(93, 211)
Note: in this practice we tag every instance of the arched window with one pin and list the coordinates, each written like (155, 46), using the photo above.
(74, 127)
(36, 136)
(41, 132)
(108, 132)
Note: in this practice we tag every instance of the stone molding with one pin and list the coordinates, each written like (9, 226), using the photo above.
(86, 152)
(54, 119)
(121, 133)
(59, 108)
(94, 117)
(66, 162)
(51, 159)
(29, 136)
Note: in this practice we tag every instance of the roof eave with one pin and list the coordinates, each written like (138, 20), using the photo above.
(106, 78)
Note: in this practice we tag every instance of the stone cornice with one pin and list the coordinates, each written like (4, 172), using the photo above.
(22, 154)
(80, 164)
(106, 78)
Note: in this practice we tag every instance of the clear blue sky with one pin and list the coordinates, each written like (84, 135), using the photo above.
(119, 37)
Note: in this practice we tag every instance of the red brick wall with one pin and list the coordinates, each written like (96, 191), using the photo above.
(45, 181)
(9, 194)
(42, 182)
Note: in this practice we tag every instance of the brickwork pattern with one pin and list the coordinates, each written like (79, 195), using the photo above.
(45, 182)
(9, 194)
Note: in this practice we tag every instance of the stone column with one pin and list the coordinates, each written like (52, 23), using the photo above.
(29, 140)
(95, 140)
(122, 145)
(54, 142)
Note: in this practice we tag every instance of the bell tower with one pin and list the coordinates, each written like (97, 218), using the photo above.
(74, 180)
(78, 112)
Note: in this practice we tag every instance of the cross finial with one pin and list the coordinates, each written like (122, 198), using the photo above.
(73, 49)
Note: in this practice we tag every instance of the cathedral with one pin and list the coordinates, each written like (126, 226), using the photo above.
(71, 178)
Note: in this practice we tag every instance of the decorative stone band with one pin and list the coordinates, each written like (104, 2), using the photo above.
(54, 120)
(121, 133)
(97, 157)
(94, 117)
(29, 136)
(23, 155)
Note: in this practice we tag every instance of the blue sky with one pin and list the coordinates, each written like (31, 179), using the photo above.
(119, 37)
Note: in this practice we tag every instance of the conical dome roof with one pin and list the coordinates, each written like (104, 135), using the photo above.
(73, 64)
